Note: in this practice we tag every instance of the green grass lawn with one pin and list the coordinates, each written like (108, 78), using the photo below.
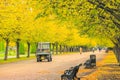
(12, 57)
(10, 53)
(10, 60)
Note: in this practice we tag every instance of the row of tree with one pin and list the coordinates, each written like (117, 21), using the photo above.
(96, 18)
(69, 23)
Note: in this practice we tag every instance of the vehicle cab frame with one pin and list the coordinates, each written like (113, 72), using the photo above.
(43, 52)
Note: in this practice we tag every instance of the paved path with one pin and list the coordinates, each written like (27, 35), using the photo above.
(32, 70)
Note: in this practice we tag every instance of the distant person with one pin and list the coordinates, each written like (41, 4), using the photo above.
(80, 50)
(99, 49)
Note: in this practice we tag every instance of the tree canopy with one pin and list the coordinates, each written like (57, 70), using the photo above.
(70, 22)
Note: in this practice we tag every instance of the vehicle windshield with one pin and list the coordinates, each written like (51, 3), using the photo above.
(43, 47)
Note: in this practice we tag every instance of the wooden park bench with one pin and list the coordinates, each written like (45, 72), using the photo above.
(70, 74)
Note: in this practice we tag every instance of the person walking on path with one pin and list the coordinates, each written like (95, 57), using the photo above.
(80, 50)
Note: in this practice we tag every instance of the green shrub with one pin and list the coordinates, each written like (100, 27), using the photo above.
(33, 48)
(2, 47)
(22, 48)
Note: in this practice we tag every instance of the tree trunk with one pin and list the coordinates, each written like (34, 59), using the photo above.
(70, 49)
(67, 49)
(117, 53)
(60, 49)
(77, 48)
(6, 49)
(64, 49)
(28, 55)
(50, 47)
(56, 48)
(17, 51)
(74, 49)
(53, 46)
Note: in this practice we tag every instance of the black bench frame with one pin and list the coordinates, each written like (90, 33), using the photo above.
(89, 63)
(71, 73)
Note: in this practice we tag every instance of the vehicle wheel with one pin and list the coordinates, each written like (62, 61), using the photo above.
(38, 60)
(49, 59)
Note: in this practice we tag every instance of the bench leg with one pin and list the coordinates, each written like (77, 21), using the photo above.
(78, 79)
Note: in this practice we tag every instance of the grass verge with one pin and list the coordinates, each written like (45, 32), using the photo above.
(16, 59)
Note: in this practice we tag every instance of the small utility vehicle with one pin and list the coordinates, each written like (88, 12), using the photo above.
(43, 52)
